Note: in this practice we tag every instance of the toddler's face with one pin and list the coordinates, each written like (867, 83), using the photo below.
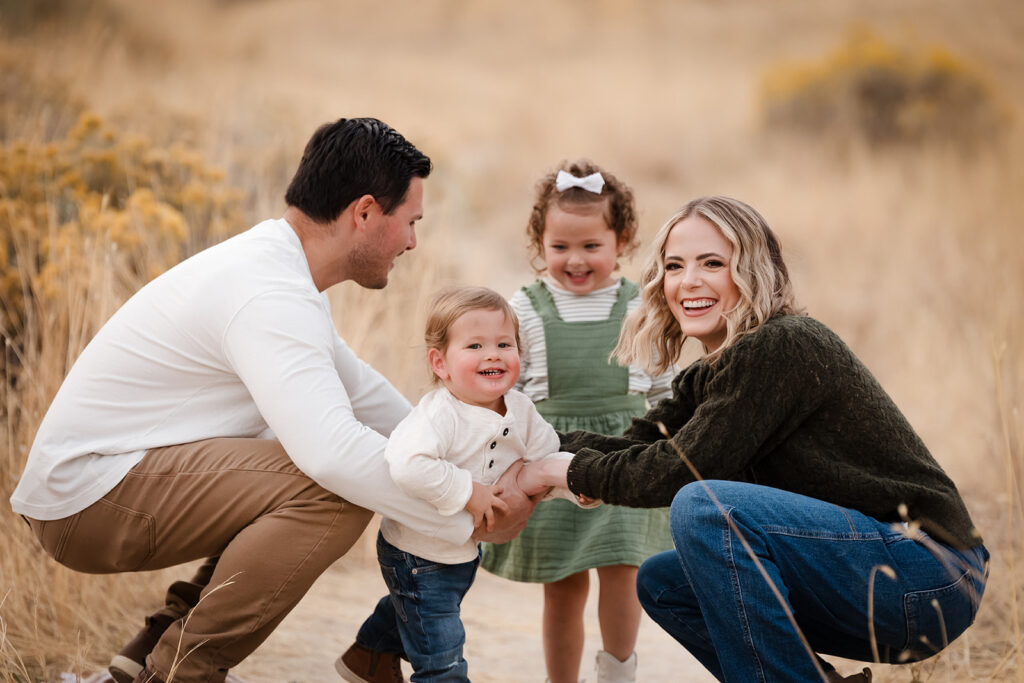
(580, 250)
(481, 361)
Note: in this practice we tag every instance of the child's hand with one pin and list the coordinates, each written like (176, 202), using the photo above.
(531, 479)
(482, 504)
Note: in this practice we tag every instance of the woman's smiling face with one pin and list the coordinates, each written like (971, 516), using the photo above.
(698, 284)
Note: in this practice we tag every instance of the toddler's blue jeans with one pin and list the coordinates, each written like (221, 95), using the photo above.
(832, 567)
(424, 602)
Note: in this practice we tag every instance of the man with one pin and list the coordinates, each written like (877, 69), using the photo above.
(218, 415)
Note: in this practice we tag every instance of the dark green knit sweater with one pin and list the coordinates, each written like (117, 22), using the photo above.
(788, 406)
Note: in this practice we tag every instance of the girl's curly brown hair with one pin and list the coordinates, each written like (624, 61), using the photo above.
(620, 212)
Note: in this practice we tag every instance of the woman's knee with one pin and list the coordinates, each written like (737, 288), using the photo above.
(693, 508)
(701, 504)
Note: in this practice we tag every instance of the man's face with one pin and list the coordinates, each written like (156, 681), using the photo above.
(387, 237)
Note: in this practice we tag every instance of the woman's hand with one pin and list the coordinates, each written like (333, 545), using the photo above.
(542, 475)
(531, 480)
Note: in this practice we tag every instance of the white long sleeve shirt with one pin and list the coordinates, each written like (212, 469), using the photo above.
(233, 342)
(574, 308)
(444, 445)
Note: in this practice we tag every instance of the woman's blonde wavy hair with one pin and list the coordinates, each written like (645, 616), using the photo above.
(651, 336)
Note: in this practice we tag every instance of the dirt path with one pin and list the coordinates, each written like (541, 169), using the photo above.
(502, 622)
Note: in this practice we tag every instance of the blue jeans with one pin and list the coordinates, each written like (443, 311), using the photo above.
(825, 561)
(420, 617)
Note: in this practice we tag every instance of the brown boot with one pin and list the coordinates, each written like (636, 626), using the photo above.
(146, 677)
(362, 665)
(128, 663)
(836, 677)
(182, 596)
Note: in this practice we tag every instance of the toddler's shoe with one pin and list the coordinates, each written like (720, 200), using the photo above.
(362, 665)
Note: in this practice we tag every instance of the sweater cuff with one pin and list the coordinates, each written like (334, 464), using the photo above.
(571, 441)
(577, 477)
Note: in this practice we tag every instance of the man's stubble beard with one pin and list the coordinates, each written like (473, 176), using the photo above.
(366, 268)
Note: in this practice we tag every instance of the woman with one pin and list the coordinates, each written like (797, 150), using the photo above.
(820, 507)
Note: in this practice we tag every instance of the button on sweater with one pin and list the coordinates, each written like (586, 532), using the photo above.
(444, 445)
(788, 406)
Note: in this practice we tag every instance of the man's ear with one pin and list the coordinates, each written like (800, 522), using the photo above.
(363, 208)
(436, 360)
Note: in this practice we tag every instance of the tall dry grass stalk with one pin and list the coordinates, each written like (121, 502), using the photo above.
(913, 255)
(54, 619)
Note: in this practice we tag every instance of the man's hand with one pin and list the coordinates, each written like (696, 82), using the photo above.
(508, 524)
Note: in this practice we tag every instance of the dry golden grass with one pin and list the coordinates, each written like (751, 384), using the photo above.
(915, 255)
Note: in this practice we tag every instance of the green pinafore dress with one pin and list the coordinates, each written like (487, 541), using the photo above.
(585, 391)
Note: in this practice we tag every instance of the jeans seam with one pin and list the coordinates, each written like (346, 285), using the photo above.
(912, 598)
(853, 536)
(689, 581)
(849, 521)
(727, 534)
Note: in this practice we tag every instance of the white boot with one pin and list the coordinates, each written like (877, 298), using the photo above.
(611, 670)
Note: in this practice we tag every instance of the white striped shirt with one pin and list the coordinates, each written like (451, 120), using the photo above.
(597, 305)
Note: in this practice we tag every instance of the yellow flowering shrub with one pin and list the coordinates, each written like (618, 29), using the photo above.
(95, 202)
(884, 93)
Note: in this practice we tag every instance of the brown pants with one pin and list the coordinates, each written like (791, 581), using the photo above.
(267, 531)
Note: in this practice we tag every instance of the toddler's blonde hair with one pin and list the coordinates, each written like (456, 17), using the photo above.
(451, 303)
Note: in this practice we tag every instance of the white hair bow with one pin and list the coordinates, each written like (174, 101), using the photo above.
(591, 183)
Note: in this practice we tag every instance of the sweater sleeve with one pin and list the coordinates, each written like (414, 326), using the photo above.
(722, 418)
(375, 401)
(416, 458)
(290, 372)
(672, 412)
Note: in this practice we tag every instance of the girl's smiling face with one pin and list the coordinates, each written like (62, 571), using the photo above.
(698, 284)
(580, 250)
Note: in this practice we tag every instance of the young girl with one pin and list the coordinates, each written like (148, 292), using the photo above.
(450, 451)
(812, 477)
(582, 221)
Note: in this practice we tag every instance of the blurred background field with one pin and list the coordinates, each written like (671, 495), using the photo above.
(882, 140)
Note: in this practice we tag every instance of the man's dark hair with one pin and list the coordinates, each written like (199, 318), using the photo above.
(350, 158)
